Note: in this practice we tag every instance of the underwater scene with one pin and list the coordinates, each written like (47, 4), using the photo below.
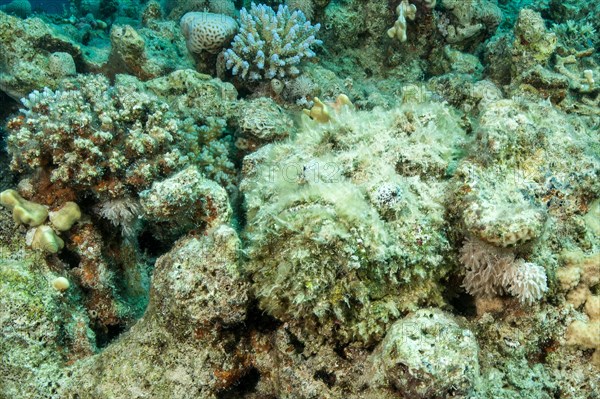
(299, 199)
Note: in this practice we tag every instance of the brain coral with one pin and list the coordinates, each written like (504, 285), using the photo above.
(207, 31)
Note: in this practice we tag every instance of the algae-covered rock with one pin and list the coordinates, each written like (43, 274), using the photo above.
(471, 20)
(534, 44)
(61, 65)
(38, 54)
(25, 60)
(184, 202)
(41, 328)
(29, 324)
(199, 282)
(509, 340)
(503, 217)
(180, 348)
(261, 121)
(428, 355)
(340, 219)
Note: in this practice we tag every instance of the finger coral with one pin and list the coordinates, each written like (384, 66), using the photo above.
(45, 239)
(271, 44)
(66, 216)
(404, 10)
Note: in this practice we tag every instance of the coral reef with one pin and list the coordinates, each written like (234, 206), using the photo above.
(34, 52)
(70, 130)
(27, 45)
(284, 201)
(82, 115)
(197, 294)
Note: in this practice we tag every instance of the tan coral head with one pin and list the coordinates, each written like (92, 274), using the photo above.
(61, 284)
(44, 238)
(405, 11)
(205, 31)
(66, 216)
(24, 212)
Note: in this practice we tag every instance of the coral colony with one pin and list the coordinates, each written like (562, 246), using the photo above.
(300, 199)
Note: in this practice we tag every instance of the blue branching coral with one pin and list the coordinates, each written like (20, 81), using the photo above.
(271, 44)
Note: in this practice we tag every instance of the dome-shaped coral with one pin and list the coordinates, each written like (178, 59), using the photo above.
(207, 31)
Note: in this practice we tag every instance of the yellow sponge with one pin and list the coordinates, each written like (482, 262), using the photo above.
(66, 216)
(25, 212)
(44, 238)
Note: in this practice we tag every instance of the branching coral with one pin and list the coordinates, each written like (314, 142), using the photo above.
(306, 6)
(271, 44)
(579, 35)
(92, 137)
